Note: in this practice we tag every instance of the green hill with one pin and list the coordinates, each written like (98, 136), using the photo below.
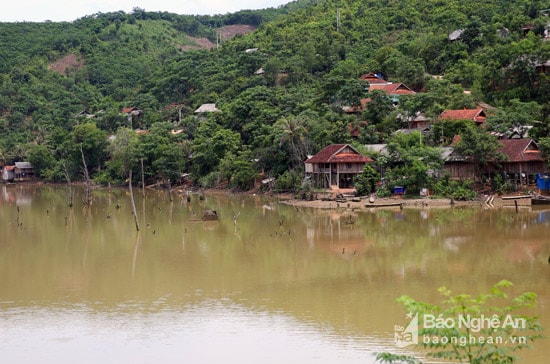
(280, 88)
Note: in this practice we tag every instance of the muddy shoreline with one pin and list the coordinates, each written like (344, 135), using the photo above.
(355, 203)
(401, 203)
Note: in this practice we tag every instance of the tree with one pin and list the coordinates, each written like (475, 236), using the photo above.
(212, 143)
(169, 162)
(124, 152)
(92, 141)
(43, 161)
(378, 108)
(544, 145)
(412, 164)
(444, 130)
(480, 148)
(351, 92)
(294, 131)
(123, 158)
(472, 329)
(365, 183)
(239, 170)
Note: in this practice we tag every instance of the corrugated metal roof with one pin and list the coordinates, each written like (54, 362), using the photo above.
(22, 165)
(207, 108)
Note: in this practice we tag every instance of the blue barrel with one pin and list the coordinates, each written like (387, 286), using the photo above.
(543, 182)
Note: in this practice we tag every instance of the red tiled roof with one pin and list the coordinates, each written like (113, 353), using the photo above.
(334, 154)
(520, 150)
(477, 115)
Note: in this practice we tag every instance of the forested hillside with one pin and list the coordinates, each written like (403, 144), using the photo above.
(70, 91)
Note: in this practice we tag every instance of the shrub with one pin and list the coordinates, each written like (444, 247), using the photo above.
(464, 328)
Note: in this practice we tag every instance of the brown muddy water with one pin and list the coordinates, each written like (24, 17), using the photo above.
(278, 284)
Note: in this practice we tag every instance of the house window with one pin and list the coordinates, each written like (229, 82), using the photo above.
(348, 165)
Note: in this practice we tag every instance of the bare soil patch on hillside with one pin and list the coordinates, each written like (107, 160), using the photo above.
(70, 61)
(231, 31)
(225, 33)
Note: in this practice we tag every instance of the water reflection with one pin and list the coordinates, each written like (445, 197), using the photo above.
(320, 284)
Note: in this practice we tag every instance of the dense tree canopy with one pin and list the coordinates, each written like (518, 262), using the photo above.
(280, 89)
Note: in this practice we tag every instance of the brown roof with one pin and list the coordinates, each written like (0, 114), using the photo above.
(355, 130)
(357, 108)
(372, 78)
(338, 153)
(393, 89)
(520, 150)
(477, 115)
(128, 110)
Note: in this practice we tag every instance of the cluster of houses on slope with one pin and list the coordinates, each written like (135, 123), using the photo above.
(336, 166)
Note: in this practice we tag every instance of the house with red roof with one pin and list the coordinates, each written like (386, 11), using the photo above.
(523, 160)
(393, 90)
(335, 166)
(373, 78)
(477, 115)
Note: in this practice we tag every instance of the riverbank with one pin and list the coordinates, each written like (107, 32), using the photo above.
(338, 201)
(399, 203)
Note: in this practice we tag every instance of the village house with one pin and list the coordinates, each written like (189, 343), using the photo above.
(392, 90)
(523, 161)
(132, 114)
(23, 171)
(477, 115)
(335, 166)
(374, 78)
(418, 121)
(207, 108)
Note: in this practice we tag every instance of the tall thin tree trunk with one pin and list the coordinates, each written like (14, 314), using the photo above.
(170, 191)
(68, 178)
(134, 212)
(88, 199)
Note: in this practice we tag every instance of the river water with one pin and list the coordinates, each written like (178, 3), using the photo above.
(266, 283)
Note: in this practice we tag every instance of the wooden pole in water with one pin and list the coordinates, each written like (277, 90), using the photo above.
(134, 212)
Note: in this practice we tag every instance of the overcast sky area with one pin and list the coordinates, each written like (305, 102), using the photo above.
(57, 11)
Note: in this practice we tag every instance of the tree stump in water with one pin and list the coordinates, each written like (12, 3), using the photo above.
(209, 215)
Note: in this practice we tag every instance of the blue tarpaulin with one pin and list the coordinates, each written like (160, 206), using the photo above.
(543, 182)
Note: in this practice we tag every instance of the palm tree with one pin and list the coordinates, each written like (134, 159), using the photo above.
(294, 131)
